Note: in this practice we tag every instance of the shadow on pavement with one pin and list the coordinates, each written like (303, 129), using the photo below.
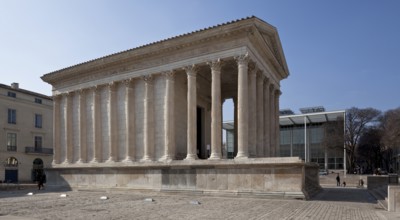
(340, 194)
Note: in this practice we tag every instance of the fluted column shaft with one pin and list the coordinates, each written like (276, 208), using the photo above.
(68, 128)
(260, 115)
(56, 130)
(129, 122)
(82, 157)
(243, 142)
(148, 120)
(267, 119)
(272, 121)
(191, 113)
(216, 111)
(252, 113)
(277, 127)
(97, 137)
(169, 117)
(112, 122)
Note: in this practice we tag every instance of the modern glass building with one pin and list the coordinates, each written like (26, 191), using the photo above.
(314, 135)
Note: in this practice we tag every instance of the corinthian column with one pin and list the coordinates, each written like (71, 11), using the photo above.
(260, 114)
(191, 113)
(129, 122)
(56, 129)
(252, 112)
(112, 123)
(68, 128)
(272, 121)
(82, 157)
(243, 115)
(148, 120)
(97, 148)
(277, 127)
(169, 117)
(267, 119)
(216, 112)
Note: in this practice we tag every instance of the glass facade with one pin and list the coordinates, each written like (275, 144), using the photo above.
(293, 144)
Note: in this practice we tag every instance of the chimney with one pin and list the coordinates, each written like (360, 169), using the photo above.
(15, 85)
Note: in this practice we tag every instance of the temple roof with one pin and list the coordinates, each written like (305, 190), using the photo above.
(262, 26)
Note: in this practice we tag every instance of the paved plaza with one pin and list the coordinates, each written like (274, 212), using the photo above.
(331, 203)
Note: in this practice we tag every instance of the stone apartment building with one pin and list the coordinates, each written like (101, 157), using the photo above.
(26, 134)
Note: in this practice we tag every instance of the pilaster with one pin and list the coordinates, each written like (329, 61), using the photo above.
(129, 122)
(252, 106)
(112, 122)
(82, 154)
(260, 114)
(148, 120)
(169, 117)
(56, 129)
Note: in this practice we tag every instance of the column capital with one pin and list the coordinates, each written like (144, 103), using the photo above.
(128, 82)
(260, 76)
(271, 87)
(215, 65)
(278, 92)
(266, 81)
(148, 79)
(243, 59)
(191, 70)
(56, 97)
(82, 91)
(112, 86)
(169, 75)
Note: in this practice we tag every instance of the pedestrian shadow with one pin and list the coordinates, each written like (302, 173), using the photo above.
(341, 194)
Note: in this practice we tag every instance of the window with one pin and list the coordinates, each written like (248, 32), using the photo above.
(12, 116)
(38, 121)
(38, 142)
(12, 94)
(39, 101)
(11, 142)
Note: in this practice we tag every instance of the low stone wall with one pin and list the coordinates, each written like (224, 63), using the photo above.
(377, 181)
(276, 177)
(394, 198)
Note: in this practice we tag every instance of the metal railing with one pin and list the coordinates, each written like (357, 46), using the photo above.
(37, 150)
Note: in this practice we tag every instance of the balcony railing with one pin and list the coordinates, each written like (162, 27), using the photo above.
(37, 150)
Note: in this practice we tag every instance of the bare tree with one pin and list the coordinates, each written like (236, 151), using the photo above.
(390, 125)
(357, 120)
(370, 151)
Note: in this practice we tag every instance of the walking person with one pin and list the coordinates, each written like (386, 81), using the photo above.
(40, 179)
(338, 180)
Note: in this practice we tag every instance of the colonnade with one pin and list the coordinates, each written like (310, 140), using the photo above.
(256, 111)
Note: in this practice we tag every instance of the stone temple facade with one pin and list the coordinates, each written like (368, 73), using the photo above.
(143, 118)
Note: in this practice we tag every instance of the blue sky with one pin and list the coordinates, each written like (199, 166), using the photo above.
(340, 53)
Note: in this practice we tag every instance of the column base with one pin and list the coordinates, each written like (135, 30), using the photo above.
(66, 161)
(146, 159)
(241, 156)
(80, 161)
(215, 156)
(127, 159)
(110, 160)
(167, 158)
(94, 160)
(191, 157)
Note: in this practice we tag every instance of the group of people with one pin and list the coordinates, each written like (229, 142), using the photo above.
(338, 181)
